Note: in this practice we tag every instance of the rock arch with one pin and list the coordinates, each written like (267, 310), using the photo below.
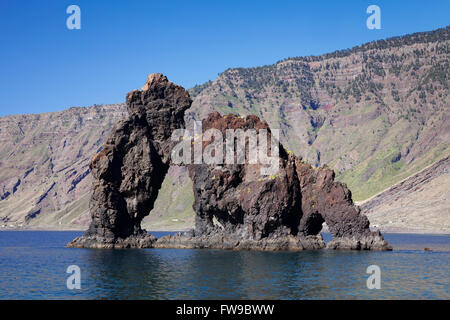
(235, 207)
(284, 211)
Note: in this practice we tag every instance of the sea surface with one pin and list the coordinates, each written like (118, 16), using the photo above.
(33, 265)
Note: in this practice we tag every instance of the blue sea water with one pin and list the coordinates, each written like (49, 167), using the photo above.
(33, 266)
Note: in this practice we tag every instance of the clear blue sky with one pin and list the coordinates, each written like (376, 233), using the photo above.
(46, 67)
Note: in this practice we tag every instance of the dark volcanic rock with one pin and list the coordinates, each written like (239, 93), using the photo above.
(236, 205)
(238, 208)
(130, 169)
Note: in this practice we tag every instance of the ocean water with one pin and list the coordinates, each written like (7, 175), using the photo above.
(33, 265)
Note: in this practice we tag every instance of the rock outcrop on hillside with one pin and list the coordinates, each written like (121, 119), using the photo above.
(130, 169)
(238, 208)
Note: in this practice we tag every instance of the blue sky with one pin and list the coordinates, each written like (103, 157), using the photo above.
(46, 67)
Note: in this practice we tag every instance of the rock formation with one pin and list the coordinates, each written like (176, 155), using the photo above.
(237, 208)
(129, 170)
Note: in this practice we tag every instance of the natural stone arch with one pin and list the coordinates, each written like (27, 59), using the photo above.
(284, 211)
(329, 201)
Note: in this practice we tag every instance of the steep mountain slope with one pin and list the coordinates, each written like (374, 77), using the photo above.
(420, 200)
(377, 114)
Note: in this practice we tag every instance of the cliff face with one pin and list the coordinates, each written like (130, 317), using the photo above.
(375, 114)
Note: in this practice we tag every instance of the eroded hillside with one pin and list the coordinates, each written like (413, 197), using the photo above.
(44, 176)
(420, 203)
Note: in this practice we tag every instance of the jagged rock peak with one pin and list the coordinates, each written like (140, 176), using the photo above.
(153, 79)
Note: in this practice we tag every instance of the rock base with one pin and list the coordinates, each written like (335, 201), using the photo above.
(220, 241)
(143, 240)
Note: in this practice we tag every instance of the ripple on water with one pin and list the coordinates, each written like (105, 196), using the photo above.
(33, 265)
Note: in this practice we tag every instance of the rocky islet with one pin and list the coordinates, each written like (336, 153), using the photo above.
(235, 207)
